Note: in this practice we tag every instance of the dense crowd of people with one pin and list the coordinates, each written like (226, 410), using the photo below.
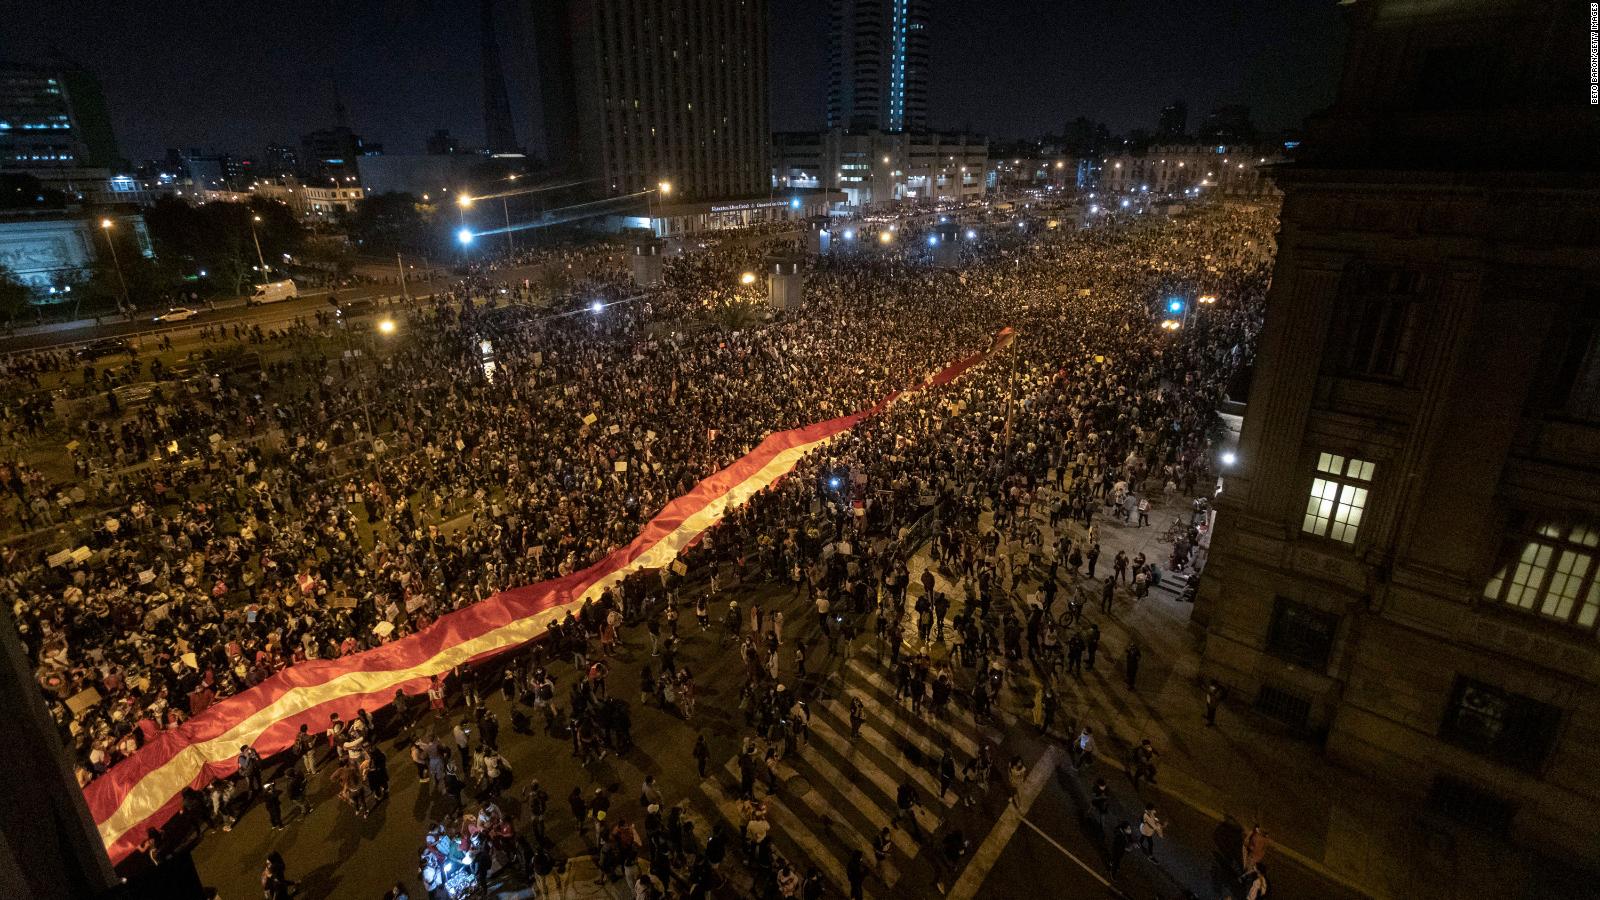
(351, 487)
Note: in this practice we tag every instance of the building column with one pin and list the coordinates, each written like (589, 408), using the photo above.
(50, 847)
(647, 263)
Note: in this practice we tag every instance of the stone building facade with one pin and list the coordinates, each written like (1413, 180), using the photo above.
(1406, 563)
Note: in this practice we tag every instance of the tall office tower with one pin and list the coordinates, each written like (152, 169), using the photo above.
(499, 135)
(1174, 122)
(53, 122)
(878, 65)
(639, 92)
(1406, 558)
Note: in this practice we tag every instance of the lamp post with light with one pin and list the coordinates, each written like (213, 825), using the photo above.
(126, 305)
(254, 237)
(664, 188)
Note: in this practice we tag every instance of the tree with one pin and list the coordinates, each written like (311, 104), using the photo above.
(396, 223)
(217, 238)
(14, 295)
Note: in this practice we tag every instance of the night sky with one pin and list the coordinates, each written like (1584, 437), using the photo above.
(234, 76)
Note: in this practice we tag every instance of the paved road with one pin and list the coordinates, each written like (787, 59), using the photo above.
(232, 311)
(228, 311)
(1062, 849)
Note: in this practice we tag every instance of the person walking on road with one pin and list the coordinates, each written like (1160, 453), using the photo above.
(1150, 828)
(1121, 839)
(1083, 749)
(702, 754)
(1214, 694)
(1016, 774)
(856, 872)
(1131, 661)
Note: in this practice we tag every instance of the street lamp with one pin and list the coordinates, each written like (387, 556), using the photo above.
(254, 237)
(105, 225)
(1208, 299)
(464, 201)
(464, 236)
(386, 326)
(664, 188)
(885, 237)
(747, 278)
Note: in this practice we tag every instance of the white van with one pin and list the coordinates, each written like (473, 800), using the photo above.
(272, 292)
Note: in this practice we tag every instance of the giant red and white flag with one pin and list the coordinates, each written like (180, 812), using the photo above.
(145, 790)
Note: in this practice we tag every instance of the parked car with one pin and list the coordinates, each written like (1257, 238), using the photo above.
(177, 314)
(103, 347)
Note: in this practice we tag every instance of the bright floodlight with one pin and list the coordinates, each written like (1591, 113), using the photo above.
(1229, 459)
(1208, 299)
(834, 482)
(885, 237)
(747, 278)
(849, 235)
(464, 236)
(464, 200)
(386, 326)
(105, 223)
(971, 235)
(933, 240)
(794, 202)
(664, 187)
(1175, 305)
(596, 306)
(1124, 204)
(1094, 208)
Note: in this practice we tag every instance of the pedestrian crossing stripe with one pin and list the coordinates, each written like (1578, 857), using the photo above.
(875, 776)
(948, 729)
(886, 744)
(877, 817)
(821, 824)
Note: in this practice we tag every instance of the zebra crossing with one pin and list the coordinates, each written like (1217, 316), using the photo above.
(838, 791)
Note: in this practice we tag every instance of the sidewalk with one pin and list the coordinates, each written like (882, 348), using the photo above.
(1246, 771)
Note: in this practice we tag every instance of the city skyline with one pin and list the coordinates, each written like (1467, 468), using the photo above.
(407, 70)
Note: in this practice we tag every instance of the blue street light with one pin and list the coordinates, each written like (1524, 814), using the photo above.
(834, 482)
(596, 306)
(464, 236)
(849, 235)
(794, 203)
(933, 240)
(971, 235)
(1175, 306)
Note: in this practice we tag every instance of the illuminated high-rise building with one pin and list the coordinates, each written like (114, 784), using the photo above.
(878, 65)
(54, 124)
(637, 94)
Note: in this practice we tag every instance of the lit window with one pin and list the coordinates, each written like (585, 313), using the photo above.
(1552, 572)
(1337, 500)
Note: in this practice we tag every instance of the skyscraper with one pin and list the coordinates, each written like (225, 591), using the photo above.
(878, 65)
(499, 135)
(636, 93)
(1174, 122)
(53, 122)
